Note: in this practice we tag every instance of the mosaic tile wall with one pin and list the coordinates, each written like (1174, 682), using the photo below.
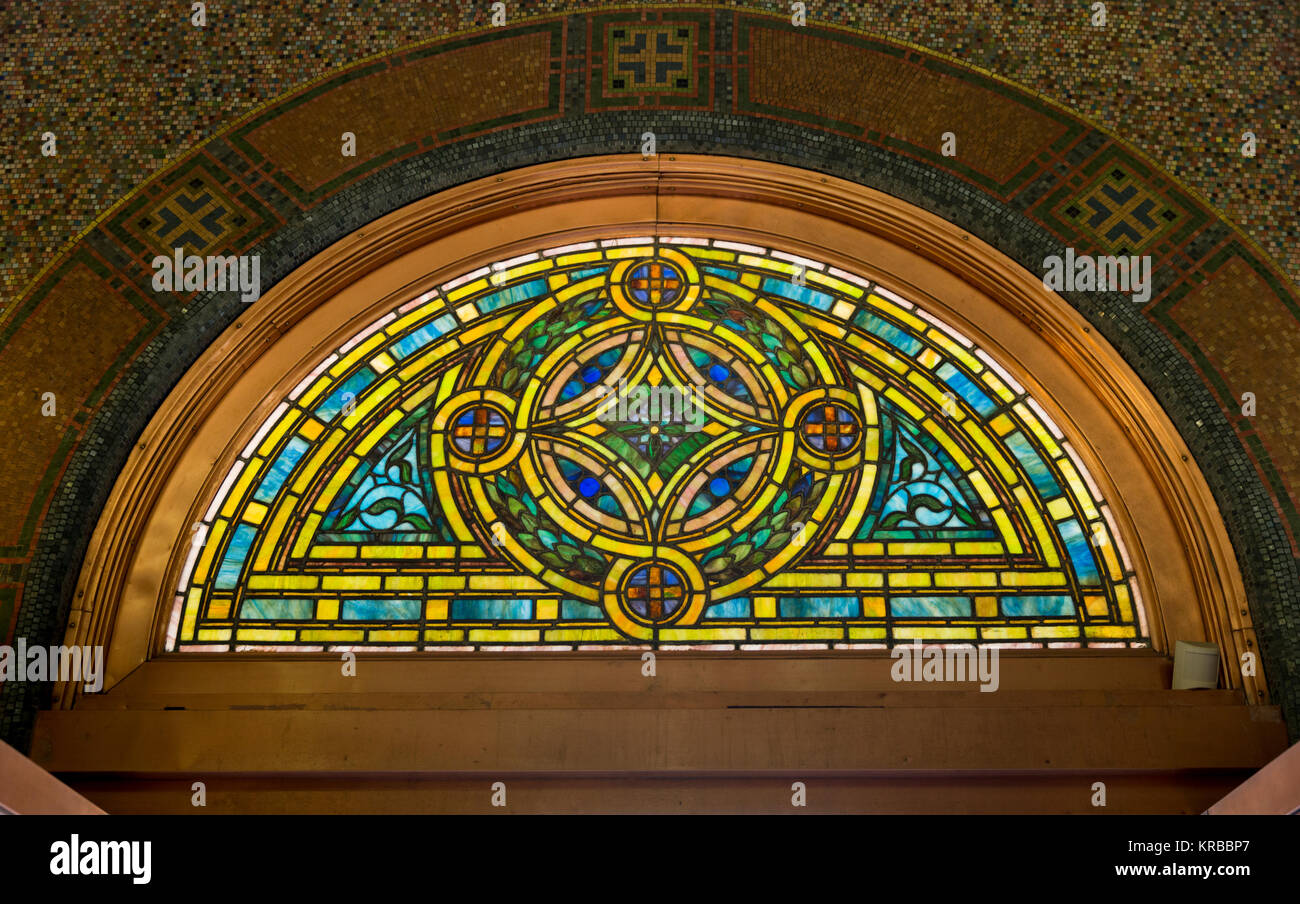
(1029, 177)
(129, 88)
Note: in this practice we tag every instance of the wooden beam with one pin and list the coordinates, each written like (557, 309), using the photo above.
(1059, 793)
(384, 679)
(802, 740)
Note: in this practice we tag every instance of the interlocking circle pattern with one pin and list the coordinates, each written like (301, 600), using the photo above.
(655, 440)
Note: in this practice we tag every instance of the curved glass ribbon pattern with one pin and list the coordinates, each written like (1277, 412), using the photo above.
(637, 442)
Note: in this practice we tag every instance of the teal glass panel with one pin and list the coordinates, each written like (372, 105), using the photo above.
(236, 553)
(1037, 605)
(278, 609)
(737, 608)
(281, 468)
(811, 297)
(930, 606)
(577, 609)
(418, 339)
(351, 387)
(1034, 466)
(818, 606)
(381, 610)
(492, 610)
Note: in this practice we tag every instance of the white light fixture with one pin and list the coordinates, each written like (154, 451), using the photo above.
(1196, 665)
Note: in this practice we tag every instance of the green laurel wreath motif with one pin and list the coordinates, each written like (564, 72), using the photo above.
(786, 354)
(538, 534)
(771, 531)
(532, 346)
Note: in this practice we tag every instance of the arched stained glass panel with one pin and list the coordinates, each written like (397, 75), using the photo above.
(681, 442)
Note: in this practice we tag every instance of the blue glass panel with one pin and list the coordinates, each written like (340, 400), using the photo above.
(729, 275)
(1085, 566)
(281, 468)
(413, 342)
(930, 606)
(236, 553)
(512, 295)
(390, 497)
(811, 297)
(290, 610)
(967, 390)
(492, 610)
(354, 384)
(899, 338)
(381, 610)
(1037, 605)
(926, 493)
(818, 606)
(737, 608)
(1034, 465)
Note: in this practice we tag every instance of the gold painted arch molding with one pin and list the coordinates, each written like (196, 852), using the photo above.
(693, 402)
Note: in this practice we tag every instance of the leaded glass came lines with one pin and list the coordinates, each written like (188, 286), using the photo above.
(639, 443)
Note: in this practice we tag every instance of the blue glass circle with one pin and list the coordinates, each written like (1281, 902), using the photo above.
(718, 373)
(589, 486)
(590, 374)
(719, 487)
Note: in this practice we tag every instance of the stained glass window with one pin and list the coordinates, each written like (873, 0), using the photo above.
(673, 442)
